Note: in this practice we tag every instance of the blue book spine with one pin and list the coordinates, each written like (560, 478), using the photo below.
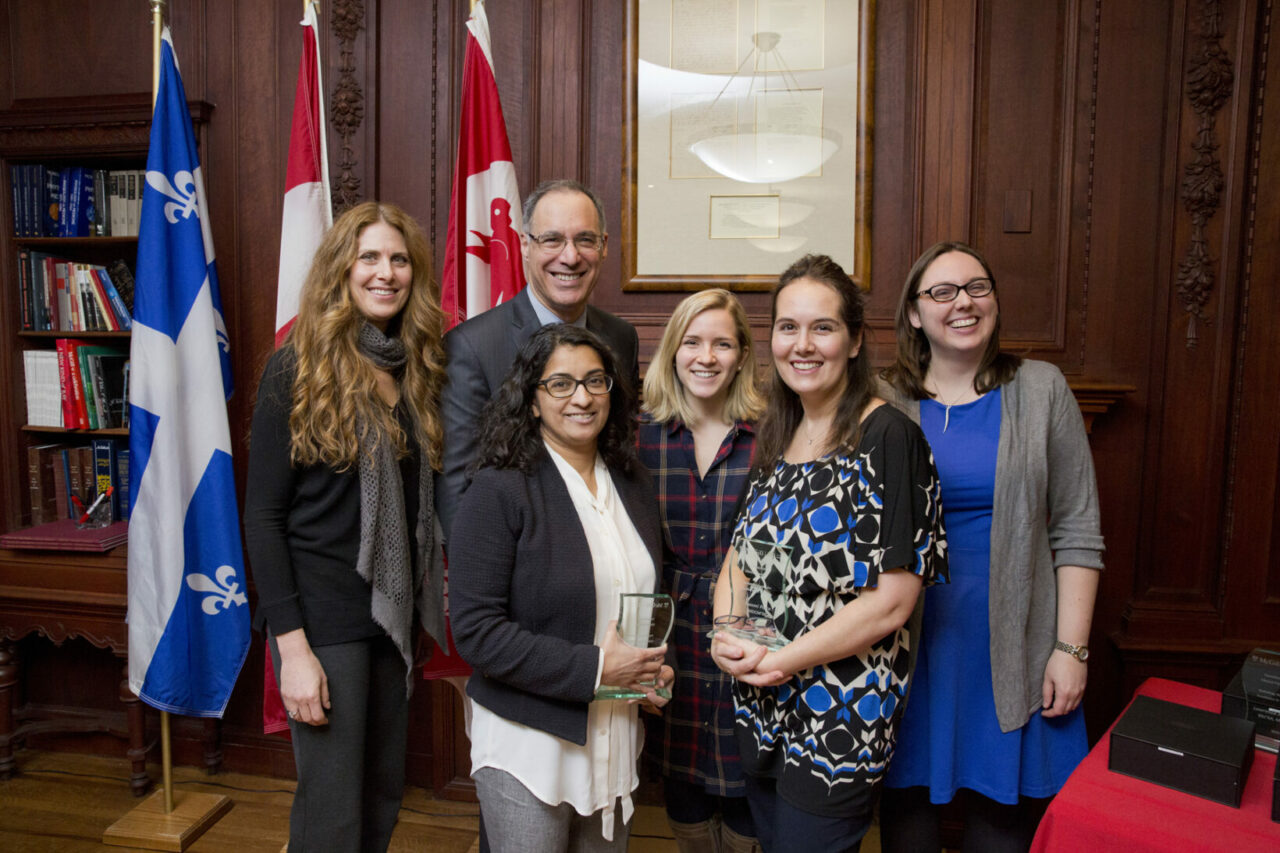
(84, 224)
(64, 196)
(117, 304)
(124, 502)
(51, 199)
(104, 470)
(15, 189)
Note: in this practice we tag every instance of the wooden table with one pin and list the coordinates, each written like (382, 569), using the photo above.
(61, 594)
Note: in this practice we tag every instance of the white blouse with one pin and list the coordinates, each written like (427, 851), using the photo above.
(591, 777)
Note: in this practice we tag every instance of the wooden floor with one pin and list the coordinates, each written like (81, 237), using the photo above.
(61, 802)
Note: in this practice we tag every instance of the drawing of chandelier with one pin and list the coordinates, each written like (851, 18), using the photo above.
(786, 140)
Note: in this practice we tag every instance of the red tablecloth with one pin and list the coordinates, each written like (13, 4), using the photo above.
(1098, 810)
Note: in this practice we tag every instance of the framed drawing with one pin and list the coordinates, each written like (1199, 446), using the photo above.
(748, 140)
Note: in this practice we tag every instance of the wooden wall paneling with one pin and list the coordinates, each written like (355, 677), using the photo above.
(102, 62)
(406, 161)
(1178, 584)
(1252, 525)
(1021, 163)
(948, 41)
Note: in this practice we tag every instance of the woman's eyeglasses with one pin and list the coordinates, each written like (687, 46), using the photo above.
(560, 385)
(947, 292)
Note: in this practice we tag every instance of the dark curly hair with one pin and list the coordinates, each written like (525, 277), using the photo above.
(510, 435)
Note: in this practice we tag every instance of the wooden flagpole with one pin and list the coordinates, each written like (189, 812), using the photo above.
(157, 823)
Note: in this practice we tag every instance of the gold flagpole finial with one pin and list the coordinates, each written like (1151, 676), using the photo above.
(157, 24)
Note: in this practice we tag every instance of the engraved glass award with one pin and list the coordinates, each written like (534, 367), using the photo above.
(759, 612)
(644, 622)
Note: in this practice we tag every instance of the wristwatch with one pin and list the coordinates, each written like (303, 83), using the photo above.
(1080, 653)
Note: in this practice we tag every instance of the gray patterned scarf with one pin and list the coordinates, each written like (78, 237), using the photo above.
(401, 582)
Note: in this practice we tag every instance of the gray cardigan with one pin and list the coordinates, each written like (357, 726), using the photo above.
(1045, 515)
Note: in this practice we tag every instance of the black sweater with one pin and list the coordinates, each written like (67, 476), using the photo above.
(302, 525)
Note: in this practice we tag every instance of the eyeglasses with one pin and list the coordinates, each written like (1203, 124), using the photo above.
(561, 386)
(947, 292)
(554, 243)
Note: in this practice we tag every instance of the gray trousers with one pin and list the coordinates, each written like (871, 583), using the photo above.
(518, 822)
(351, 772)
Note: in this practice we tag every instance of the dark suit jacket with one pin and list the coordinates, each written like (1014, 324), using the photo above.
(481, 352)
(522, 593)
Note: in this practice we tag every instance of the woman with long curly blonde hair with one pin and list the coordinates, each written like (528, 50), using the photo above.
(339, 519)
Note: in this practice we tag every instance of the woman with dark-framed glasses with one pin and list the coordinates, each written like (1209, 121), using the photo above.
(994, 721)
(559, 521)
(840, 529)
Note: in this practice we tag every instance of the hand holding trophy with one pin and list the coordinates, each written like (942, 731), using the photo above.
(644, 622)
(759, 612)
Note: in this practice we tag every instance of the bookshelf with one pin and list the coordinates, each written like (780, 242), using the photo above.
(51, 594)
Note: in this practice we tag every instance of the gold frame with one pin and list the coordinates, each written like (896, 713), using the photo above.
(747, 279)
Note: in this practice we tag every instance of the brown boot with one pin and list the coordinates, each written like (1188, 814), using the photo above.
(702, 837)
(732, 842)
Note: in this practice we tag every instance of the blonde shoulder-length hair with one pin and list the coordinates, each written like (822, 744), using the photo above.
(664, 397)
(336, 409)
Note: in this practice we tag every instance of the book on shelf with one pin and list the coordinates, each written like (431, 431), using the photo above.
(74, 412)
(105, 474)
(124, 502)
(17, 179)
(94, 408)
(50, 202)
(44, 388)
(42, 484)
(56, 294)
(107, 371)
(122, 278)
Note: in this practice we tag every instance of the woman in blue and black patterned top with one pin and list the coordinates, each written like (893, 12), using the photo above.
(840, 528)
(697, 437)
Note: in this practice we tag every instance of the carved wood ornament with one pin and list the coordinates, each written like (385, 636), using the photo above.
(1210, 82)
(346, 110)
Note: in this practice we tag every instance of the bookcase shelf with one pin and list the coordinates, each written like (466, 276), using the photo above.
(47, 335)
(109, 432)
(74, 242)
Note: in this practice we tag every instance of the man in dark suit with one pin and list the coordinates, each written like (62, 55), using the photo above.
(564, 244)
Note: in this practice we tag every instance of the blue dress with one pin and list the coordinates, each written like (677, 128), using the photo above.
(949, 737)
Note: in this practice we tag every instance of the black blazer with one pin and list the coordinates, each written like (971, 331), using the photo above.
(522, 593)
(481, 352)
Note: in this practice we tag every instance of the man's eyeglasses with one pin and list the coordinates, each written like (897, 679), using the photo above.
(553, 242)
(560, 385)
(947, 292)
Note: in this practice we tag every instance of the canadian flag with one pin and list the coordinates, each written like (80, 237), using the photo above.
(482, 262)
(308, 212)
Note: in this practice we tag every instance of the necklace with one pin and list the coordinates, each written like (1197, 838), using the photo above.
(809, 433)
(955, 401)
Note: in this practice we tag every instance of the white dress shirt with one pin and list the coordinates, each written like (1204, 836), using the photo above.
(592, 777)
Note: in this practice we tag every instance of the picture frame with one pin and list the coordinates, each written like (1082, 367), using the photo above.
(748, 140)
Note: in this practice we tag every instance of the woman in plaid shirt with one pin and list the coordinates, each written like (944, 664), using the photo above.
(697, 439)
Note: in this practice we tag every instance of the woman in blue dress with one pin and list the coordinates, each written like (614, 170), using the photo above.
(994, 719)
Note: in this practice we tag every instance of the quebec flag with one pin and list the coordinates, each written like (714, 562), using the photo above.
(188, 613)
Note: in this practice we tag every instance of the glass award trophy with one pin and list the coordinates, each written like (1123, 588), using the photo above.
(1260, 680)
(645, 620)
(759, 612)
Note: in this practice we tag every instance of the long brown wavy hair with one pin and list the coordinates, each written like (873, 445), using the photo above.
(908, 371)
(783, 410)
(336, 407)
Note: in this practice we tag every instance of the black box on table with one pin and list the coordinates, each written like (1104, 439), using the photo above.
(1187, 749)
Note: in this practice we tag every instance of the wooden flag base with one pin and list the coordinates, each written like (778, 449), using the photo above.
(147, 826)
